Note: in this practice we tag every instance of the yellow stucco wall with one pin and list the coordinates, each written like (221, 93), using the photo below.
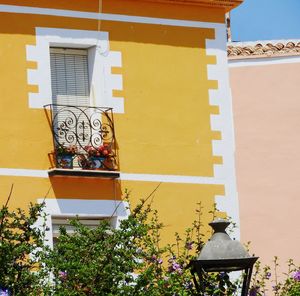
(165, 129)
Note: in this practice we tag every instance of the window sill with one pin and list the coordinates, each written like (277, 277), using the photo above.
(84, 173)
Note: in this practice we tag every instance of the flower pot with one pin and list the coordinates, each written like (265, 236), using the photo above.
(65, 161)
(97, 162)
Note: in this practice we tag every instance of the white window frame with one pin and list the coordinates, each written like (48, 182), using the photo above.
(100, 58)
(114, 210)
(91, 222)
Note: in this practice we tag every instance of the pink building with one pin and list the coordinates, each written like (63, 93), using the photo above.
(265, 82)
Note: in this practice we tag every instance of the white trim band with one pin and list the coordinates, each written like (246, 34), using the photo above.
(259, 61)
(108, 17)
(123, 176)
(23, 173)
(171, 179)
(223, 123)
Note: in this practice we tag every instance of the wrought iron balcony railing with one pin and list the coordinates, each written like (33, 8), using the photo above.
(83, 137)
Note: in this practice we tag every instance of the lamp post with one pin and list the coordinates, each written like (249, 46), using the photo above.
(222, 254)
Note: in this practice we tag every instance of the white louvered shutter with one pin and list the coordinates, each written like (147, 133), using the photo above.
(70, 86)
(69, 76)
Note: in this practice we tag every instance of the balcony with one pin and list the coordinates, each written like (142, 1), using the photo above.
(83, 141)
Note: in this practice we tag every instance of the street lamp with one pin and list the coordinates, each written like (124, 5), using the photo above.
(221, 254)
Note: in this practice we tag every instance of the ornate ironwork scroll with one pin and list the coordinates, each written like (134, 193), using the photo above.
(85, 133)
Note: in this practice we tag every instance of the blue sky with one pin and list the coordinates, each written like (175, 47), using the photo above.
(266, 20)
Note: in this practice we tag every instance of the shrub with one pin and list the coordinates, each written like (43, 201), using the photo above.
(123, 261)
(21, 250)
(104, 261)
(264, 277)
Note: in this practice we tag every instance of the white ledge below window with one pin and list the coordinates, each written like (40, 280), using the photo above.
(84, 173)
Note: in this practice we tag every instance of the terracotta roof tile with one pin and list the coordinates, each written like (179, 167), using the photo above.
(242, 50)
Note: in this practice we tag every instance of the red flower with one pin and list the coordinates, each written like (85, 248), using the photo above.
(101, 151)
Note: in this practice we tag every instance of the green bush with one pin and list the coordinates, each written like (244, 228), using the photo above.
(123, 261)
(104, 261)
(264, 277)
(21, 250)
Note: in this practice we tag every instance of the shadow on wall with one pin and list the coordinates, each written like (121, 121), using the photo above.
(158, 34)
(86, 188)
(118, 31)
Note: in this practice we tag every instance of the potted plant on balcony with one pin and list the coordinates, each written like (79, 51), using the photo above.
(64, 156)
(96, 156)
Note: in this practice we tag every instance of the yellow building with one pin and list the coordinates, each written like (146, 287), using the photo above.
(158, 70)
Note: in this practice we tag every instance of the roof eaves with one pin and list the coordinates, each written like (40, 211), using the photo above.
(226, 4)
(263, 49)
